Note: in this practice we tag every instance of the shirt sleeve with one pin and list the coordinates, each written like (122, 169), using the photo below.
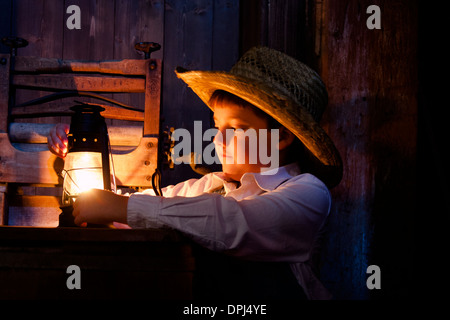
(279, 225)
(186, 188)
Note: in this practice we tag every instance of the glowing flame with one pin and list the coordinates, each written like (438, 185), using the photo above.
(82, 172)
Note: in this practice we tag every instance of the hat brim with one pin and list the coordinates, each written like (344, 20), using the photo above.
(301, 124)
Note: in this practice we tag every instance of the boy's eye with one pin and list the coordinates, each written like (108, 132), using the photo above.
(229, 128)
(241, 128)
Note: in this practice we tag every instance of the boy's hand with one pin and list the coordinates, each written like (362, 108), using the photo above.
(100, 207)
(57, 139)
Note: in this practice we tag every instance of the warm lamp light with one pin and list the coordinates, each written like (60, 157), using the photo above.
(87, 164)
(82, 171)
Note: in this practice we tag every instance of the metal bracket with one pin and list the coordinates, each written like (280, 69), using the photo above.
(167, 148)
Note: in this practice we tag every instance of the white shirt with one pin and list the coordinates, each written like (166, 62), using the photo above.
(275, 217)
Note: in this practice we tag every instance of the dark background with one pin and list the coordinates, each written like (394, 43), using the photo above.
(385, 111)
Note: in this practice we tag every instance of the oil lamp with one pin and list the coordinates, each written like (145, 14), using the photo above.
(87, 164)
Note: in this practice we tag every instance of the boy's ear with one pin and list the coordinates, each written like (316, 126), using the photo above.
(286, 138)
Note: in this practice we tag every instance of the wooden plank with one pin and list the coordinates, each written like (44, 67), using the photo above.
(132, 168)
(122, 114)
(94, 41)
(42, 24)
(135, 168)
(225, 44)
(3, 204)
(372, 81)
(27, 167)
(152, 98)
(85, 235)
(111, 112)
(5, 22)
(37, 211)
(137, 21)
(34, 284)
(109, 261)
(34, 201)
(80, 83)
(286, 19)
(29, 132)
(37, 133)
(189, 35)
(251, 28)
(4, 91)
(34, 262)
(48, 65)
(344, 119)
(225, 50)
(278, 24)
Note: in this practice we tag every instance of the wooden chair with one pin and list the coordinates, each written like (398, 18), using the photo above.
(23, 164)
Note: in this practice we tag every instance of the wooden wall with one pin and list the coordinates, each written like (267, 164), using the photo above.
(371, 76)
(372, 81)
(201, 34)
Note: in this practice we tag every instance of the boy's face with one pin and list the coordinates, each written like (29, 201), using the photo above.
(239, 140)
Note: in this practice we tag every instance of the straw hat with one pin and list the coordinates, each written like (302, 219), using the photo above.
(284, 88)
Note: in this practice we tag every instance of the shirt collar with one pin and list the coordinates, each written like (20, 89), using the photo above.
(270, 180)
(266, 181)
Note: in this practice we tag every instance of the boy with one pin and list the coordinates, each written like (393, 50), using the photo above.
(246, 211)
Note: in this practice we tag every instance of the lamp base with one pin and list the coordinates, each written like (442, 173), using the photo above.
(66, 219)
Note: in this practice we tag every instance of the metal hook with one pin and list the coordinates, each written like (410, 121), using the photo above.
(147, 48)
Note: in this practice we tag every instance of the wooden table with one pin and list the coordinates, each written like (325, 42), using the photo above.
(113, 263)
